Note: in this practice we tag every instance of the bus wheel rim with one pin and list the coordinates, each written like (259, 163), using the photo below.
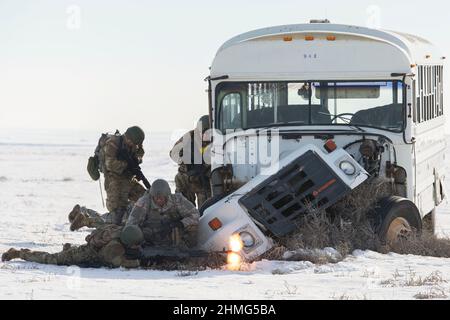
(399, 229)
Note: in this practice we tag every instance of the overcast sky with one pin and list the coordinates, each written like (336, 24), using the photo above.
(111, 64)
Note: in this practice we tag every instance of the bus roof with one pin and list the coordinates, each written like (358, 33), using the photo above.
(413, 49)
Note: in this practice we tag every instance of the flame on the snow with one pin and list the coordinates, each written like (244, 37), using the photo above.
(234, 258)
(234, 261)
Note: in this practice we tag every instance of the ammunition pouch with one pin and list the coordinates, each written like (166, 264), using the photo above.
(93, 168)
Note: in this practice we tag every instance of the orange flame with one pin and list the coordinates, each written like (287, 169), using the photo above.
(235, 243)
(234, 258)
(234, 261)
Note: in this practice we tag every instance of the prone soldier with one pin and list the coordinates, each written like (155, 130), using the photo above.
(106, 246)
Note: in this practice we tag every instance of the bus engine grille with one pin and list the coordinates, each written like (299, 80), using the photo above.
(283, 198)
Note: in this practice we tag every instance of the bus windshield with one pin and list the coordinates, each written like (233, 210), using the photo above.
(245, 105)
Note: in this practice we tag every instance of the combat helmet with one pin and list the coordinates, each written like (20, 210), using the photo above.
(160, 188)
(136, 135)
(131, 235)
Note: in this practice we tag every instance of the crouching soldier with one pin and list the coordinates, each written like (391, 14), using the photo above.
(107, 246)
(165, 219)
(191, 154)
(118, 157)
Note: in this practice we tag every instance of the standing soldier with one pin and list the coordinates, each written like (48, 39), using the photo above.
(166, 219)
(118, 157)
(190, 153)
(107, 246)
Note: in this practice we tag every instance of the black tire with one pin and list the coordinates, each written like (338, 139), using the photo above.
(396, 217)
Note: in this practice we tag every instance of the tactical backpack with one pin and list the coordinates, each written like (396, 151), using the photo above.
(95, 163)
(101, 236)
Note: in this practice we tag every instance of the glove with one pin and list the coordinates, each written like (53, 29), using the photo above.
(139, 175)
(166, 227)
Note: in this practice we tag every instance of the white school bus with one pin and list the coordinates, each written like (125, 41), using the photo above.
(344, 105)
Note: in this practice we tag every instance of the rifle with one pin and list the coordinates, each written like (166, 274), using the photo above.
(171, 252)
(160, 254)
(133, 166)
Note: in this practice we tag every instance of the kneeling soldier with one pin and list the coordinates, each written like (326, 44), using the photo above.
(166, 219)
(81, 217)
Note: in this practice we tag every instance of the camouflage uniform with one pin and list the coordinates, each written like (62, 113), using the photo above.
(103, 249)
(192, 180)
(120, 185)
(85, 217)
(151, 219)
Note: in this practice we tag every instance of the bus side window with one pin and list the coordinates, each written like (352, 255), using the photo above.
(414, 94)
(420, 96)
(438, 90)
(441, 89)
(432, 101)
(417, 83)
(427, 93)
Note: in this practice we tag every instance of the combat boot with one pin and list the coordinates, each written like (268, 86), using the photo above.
(12, 254)
(79, 222)
(75, 211)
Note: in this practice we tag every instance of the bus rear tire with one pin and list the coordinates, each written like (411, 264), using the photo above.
(398, 219)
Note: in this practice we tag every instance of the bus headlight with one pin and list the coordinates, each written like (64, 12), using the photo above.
(247, 239)
(347, 167)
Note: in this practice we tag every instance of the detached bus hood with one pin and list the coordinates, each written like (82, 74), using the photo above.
(272, 202)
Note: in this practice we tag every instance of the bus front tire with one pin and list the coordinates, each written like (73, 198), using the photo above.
(397, 219)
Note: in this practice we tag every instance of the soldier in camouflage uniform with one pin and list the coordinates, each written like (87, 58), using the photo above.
(105, 247)
(120, 184)
(81, 217)
(190, 152)
(166, 219)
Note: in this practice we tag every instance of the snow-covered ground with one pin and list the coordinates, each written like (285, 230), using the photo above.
(42, 175)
